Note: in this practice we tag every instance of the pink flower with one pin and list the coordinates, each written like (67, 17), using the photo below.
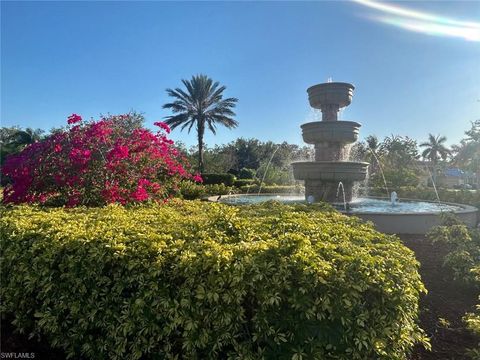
(79, 156)
(73, 200)
(163, 126)
(140, 194)
(59, 180)
(74, 118)
(119, 152)
(143, 182)
(197, 178)
(87, 164)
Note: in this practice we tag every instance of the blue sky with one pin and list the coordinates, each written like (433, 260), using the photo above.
(93, 58)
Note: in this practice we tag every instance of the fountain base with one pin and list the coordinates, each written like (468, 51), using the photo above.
(406, 217)
(323, 177)
(328, 191)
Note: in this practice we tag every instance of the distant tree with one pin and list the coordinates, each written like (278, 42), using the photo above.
(254, 154)
(467, 154)
(22, 138)
(372, 142)
(398, 157)
(399, 150)
(201, 105)
(14, 139)
(435, 148)
(474, 133)
(248, 152)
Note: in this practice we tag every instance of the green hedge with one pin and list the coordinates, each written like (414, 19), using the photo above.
(211, 179)
(273, 189)
(246, 173)
(244, 182)
(469, 197)
(191, 191)
(198, 280)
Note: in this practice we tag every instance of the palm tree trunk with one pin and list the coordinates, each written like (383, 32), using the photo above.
(200, 133)
(434, 173)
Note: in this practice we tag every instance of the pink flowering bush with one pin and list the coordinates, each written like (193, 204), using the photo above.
(97, 163)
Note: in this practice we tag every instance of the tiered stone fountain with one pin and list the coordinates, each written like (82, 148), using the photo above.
(332, 139)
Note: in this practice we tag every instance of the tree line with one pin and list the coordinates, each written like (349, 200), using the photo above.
(201, 105)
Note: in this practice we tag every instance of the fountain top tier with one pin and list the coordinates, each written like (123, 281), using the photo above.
(330, 98)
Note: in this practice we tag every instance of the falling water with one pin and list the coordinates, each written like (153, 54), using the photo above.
(340, 185)
(381, 171)
(433, 183)
(359, 188)
(393, 198)
(345, 152)
(266, 169)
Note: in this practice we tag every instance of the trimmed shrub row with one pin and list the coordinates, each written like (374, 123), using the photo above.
(212, 179)
(273, 189)
(198, 280)
(190, 190)
(244, 182)
(469, 197)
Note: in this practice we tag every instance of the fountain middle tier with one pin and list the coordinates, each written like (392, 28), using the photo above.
(322, 177)
(343, 132)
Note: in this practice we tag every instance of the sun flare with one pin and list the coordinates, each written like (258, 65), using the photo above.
(422, 22)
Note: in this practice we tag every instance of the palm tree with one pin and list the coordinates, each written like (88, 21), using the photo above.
(372, 142)
(202, 105)
(435, 150)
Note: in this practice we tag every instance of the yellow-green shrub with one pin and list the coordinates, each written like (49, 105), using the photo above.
(197, 280)
(190, 190)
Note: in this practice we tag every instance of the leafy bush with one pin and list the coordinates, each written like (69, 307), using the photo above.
(226, 179)
(190, 190)
(246, 173)
(395, 177)
(96, 163)
(464, 247)
(463, 260)
(200, 280)
(472, 320)
(244, 182)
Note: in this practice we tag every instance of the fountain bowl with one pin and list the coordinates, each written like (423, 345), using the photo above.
(418, 222)
(335, 171)
(344, 132)
(408, 216)
(333, 93)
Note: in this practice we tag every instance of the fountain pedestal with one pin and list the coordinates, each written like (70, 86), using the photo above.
(332, 139)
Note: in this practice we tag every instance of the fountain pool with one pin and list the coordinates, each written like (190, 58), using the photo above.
(403, 217)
